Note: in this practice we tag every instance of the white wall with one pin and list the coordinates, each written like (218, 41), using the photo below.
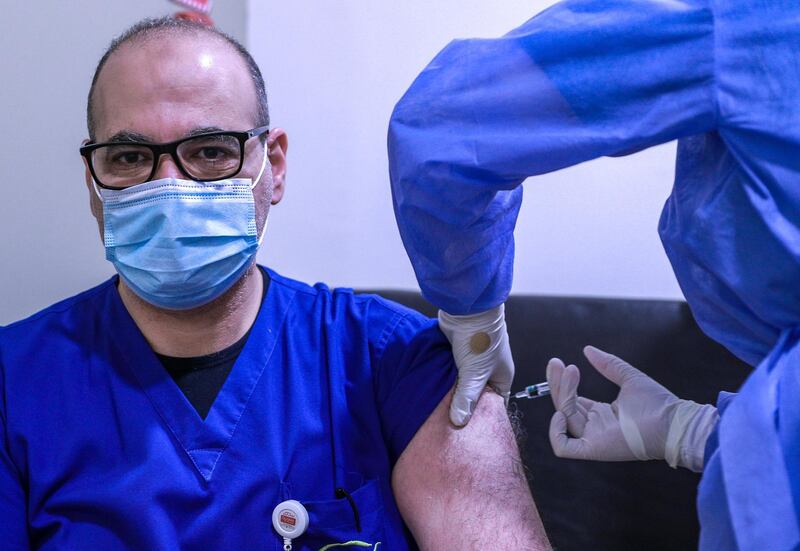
(49, 244)
(334, 71)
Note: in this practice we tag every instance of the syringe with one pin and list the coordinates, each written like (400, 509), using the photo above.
(534, 391)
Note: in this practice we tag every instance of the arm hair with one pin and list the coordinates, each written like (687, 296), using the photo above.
(465, 488)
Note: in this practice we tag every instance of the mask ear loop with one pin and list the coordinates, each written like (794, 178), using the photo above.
(254, 184)
(97, 191)
(263, 166)
(263, 230)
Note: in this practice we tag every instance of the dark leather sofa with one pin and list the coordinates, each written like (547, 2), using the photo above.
(609, 506)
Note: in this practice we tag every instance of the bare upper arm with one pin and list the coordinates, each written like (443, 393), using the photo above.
(465, 488)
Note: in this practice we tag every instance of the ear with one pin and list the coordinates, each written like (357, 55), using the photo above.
(277, 146)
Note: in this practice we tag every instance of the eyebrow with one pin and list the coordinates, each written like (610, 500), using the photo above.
(203, 130)
(131, 136)
(128, 136)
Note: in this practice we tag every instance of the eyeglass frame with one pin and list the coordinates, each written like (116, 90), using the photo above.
(171, 148)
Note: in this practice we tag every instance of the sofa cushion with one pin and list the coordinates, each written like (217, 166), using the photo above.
(609, 506)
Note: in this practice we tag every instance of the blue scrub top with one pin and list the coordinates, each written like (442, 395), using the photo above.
(99, 448)
(591, 78)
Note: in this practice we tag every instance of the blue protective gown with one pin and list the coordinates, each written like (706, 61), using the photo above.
(591, 78)
(99, 449)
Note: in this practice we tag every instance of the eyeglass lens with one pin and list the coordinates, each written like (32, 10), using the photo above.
(203, 158)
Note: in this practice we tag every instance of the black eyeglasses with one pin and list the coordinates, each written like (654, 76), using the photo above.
(205, 158)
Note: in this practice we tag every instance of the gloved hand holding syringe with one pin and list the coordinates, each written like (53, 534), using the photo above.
(646, 421)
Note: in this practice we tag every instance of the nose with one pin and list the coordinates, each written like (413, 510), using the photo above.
(167, 168)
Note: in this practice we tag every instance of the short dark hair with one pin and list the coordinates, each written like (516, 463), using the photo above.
(172, 26)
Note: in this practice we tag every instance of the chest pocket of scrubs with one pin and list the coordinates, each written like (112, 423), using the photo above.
(332, 524)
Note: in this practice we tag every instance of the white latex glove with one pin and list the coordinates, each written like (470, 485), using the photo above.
(646, 421)
(482, 355)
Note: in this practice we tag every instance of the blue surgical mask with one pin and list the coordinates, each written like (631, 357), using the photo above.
(179, 244)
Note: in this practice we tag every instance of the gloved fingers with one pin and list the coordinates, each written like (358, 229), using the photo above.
(553, 372)
(482, 354)
(576, 423)
(585, 404)
(615, 369)
(564, 446)
(576, 415)
(468, 390)
(564, 393)
(563, 381)
(502, 377)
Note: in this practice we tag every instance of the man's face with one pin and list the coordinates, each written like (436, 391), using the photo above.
(166, 88)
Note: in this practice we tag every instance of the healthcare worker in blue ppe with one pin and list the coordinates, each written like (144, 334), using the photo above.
(199, 401)
(590, 78)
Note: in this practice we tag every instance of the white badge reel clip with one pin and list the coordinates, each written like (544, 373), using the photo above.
(290, 520)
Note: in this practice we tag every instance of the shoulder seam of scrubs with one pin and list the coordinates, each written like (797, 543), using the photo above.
(64, 305)
(380, 347)
(388, 331)
(388, 305)
(295, 285)
(360, 298)
(311, 290)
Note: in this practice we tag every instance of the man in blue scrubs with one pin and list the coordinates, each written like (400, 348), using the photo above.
(177, 404)
(591, 78)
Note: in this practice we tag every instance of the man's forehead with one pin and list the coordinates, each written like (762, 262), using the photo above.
(185, 81)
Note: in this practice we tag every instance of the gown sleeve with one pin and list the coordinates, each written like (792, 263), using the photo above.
(581, 80)
(13, 523)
